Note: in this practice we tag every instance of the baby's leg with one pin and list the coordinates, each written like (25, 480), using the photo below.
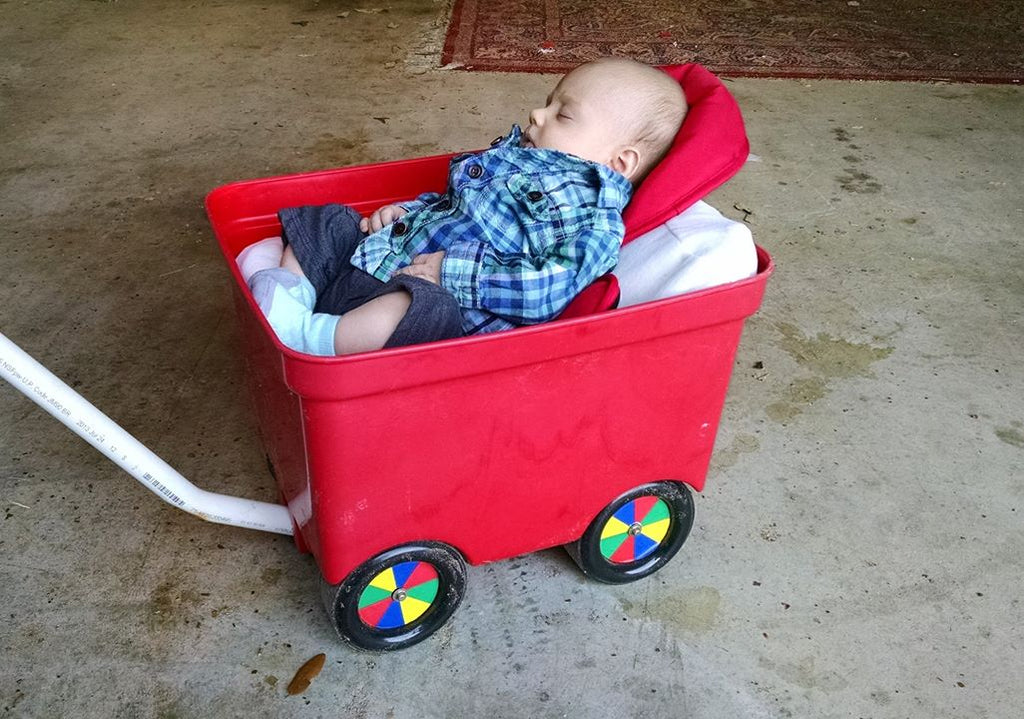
(369, 326)
(288, 292)
(286, 300)
(260, 255)
(404, 311)
(363, 329)
(290, 262)
(391, 319)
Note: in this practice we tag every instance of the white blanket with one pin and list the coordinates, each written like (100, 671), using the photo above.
(697, 249)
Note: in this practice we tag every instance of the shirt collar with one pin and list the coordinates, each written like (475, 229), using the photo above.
(615, 190)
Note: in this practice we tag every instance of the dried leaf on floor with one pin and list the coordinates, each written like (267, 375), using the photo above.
(307, 672)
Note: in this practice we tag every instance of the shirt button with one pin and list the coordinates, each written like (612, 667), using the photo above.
(475, 172)
(534, 195)
(443, 205)
(399, 229)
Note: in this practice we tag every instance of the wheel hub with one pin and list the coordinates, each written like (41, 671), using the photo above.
(399, 595)
(635, 528)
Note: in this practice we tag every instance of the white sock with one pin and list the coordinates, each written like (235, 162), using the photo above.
(260, 255)
(287, 301)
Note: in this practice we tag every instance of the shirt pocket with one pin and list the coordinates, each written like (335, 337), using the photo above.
(543, 219)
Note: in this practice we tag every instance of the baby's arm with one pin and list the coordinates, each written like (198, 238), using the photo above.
(390, 213)
(426, 267)
(381, 218)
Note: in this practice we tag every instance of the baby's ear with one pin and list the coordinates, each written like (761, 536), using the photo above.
(626, 161)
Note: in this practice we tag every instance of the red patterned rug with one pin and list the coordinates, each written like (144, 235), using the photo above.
(958, 40)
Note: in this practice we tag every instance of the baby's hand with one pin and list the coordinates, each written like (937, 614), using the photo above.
(381, 218)
(426, 267)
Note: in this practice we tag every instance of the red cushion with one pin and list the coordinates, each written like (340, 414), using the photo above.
(710, 147)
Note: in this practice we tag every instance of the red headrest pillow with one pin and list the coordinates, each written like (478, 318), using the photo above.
(709, 148)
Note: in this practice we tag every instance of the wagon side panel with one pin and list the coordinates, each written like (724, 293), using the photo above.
(514, 460)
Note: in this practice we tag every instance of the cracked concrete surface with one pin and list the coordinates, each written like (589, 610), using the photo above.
(855, 552)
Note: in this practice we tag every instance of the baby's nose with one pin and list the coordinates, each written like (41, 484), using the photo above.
(535, 115)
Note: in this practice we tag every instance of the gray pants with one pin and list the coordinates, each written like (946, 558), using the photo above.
(324, 237)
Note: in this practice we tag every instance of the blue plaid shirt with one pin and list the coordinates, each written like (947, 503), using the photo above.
(524, 231)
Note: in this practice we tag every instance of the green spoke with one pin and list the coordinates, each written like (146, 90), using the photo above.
(658, 511)
(372, 595)
(425, 592)
(610, 544)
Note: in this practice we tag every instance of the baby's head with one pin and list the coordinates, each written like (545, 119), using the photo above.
(613, 111)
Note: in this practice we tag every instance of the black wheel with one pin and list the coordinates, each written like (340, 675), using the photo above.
(398, 598)
(636, 534)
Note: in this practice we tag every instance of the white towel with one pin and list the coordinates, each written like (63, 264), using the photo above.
(697, 249)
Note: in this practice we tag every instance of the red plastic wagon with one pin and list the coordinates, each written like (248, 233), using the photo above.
(400, 466)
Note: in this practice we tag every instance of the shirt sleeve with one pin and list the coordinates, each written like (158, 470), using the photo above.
(528, 289)
(420, 202)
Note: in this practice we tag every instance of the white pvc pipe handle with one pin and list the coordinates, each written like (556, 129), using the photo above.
(45, 389)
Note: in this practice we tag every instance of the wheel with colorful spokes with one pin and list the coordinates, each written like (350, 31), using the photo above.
(398, 598)
(636, 534)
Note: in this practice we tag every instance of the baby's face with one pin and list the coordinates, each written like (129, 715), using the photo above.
(579, 117)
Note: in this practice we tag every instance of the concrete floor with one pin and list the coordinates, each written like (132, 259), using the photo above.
(856, 551)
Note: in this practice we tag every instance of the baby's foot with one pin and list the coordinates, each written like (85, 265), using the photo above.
(260, 255)
(287, 301)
